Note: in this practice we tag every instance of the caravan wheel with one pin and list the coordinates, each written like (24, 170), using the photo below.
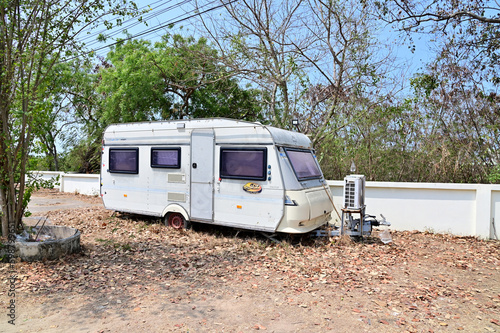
(176, 221)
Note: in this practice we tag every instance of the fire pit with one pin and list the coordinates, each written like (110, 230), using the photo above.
(49, 242)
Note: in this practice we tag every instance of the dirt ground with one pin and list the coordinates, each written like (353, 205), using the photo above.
(137, 275)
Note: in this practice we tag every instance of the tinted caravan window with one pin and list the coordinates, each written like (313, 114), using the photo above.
(124, 160)
(166, 158)
(243, 163)
(303, 163)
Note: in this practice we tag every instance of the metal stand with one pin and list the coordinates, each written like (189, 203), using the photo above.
(353, 227)
(270, 237)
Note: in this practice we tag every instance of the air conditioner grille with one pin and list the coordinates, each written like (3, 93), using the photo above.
(354, 191)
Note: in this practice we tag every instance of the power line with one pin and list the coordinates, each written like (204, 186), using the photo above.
(120, 16)
(148, 16)
(152, 30)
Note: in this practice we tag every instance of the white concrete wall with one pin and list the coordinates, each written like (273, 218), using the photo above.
(73, 182)
(495, 213)
(80, 183)
(460, 209)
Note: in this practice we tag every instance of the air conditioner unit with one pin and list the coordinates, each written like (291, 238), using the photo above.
(354, 191)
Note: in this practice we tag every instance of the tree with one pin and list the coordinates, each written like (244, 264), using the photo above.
(319, 62)
(34, 36)
(59, 117)
(415, 13)
(178, 77)
(225, 98)
(384, 140)
(470, 27)
(253, 39)
(175, 78)
(464, 124)
(458, 90)
(311, 57)
(344, 56)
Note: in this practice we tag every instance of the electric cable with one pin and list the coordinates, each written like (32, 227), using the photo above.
(152, 30)
(149, 16)
(97, 33)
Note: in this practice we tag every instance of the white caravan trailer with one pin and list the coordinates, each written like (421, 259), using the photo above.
(226, 172)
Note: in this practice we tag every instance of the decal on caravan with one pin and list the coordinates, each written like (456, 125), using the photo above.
(220, 171)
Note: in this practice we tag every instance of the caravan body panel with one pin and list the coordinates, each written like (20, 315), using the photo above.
(219, 171)
(241, 202)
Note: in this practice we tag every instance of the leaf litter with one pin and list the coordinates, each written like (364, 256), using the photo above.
(218, 279)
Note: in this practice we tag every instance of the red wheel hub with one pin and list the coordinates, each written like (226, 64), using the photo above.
(176, 221)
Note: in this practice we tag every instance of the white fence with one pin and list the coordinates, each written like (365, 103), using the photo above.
(72, 182)
(459, 209)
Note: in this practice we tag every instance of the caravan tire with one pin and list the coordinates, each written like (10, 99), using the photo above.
(176, 221)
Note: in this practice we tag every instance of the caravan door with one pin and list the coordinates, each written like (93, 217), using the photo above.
(202, 174)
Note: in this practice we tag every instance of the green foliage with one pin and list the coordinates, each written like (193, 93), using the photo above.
(35, 183)
(425, 83)
(225, 98)
(39, 162)
(131, 87)
(494, 175)
(380, 141)
(140, 81)
(85, 157)
(174, 78)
